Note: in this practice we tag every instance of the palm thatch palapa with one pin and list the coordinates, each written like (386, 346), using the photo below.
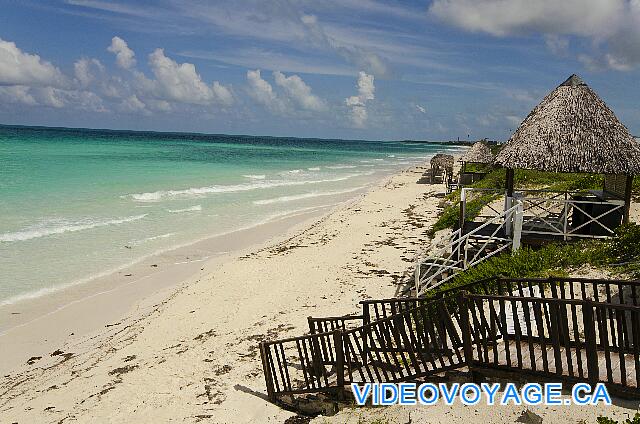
(442, 161)
(573, 130)
(478, 153)
(441, 167)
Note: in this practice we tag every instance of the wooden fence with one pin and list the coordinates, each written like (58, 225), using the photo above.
(566, 329)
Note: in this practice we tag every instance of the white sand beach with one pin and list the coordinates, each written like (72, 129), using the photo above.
(190, 353)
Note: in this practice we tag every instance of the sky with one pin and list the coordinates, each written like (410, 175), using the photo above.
(365, 69)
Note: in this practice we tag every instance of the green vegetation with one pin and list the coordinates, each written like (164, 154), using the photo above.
(523, 178)
(607, 420)
(621, 253)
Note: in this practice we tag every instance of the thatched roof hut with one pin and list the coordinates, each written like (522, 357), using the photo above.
(441, 167)
(442, 161)
(478, 153)
(572, 130)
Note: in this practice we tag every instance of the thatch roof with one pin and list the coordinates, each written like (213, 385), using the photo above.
(442, 161)
(572, 130)
(478, 153)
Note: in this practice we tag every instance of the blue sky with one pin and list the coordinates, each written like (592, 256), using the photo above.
(433, 70)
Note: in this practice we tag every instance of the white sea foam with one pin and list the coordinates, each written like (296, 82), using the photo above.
(291, 172)
(144, 240)
(202, 191)
(61, 226)
(255, 177)
(314, 168)
(196, 208)
(341, 166)
(310, 195)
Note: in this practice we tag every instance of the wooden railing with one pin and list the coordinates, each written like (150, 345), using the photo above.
(464, 250)
(561, 215)
(565, 339)
(567, 329)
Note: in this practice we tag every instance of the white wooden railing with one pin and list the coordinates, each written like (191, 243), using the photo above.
(560, 215)
(556, 214)
(461, 251)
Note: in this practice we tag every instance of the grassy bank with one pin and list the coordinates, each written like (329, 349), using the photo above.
(620, 254)
(495, 180)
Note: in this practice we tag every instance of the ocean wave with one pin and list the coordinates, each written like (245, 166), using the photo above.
(341, 166)
(314, 168)
(310, 195)
(255, 177)
(53, 227)
(196, 208)
(202, 191)
(144, 240)
(291, 172)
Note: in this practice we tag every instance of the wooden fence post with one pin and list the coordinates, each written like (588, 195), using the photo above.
(366, 320)
(337, 344)
(590, 341)
(267, 371)
(463, 212)
(517, 226)
(465, 329)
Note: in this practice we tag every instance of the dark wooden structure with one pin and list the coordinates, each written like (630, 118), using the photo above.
(559, 329)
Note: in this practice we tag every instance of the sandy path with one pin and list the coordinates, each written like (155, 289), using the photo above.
(193, 355)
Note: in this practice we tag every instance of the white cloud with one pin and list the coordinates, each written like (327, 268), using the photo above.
(86, 100)
(362, 58)
(53, 97)
(27, 79)
(299, 91)
(159, 105)
(20, 68)
(499, 17)
(421, 109)
(181, 82)
(557, 44)
(612, 26)
(125, 57)
(222, 93)
(262, 92)
(17, 94)
(84, 70)
(366, 92)
(133, 104)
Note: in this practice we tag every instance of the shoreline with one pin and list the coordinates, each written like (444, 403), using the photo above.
(115, 293)
(190, 353)
(191, 349)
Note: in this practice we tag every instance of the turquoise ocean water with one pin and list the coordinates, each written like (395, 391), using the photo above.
(76, 203)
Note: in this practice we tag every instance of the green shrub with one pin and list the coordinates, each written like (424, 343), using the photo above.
(625, 246)
(607, 420)
(448, 218)
(495, 180)
(553, 259)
